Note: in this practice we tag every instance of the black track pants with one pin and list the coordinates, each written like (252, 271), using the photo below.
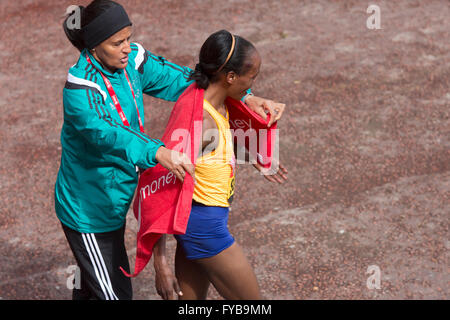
(99, 256)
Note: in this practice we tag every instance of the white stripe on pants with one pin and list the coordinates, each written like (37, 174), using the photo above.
(98, 264)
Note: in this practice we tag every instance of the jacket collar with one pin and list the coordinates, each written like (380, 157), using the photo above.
(99, 67)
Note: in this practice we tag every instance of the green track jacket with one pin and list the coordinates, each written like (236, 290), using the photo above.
(97, 175)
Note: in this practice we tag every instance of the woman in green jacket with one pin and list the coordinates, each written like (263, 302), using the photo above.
(104, 144)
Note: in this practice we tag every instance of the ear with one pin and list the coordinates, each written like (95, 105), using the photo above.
(231, 77)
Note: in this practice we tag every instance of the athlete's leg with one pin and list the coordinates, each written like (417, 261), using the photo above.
(192, 279)
(231, 274)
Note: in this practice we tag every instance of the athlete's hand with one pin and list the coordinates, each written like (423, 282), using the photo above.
(166, 283)
(176, 162)
(263, 106)
(276, 173)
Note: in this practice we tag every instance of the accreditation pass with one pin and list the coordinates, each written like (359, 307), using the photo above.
(214, 311)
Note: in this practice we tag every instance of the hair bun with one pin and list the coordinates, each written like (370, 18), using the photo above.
(199, 76)
(198, 67)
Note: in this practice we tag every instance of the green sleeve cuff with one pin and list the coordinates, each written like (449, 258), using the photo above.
(150, 159)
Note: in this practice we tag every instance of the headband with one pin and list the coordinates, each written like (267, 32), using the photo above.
(104, 26)
(233, 41)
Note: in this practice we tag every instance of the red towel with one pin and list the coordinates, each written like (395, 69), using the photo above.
(162, 204)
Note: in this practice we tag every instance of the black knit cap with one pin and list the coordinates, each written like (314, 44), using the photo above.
(104, 26)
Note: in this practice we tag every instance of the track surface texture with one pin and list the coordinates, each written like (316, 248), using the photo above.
(365, 138)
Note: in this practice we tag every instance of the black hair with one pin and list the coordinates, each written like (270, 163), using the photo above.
(214, 53)
(88, 14)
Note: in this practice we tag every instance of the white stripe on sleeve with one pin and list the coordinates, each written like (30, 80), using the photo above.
(71, 78)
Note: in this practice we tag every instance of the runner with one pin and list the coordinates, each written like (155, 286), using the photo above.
(207, 252)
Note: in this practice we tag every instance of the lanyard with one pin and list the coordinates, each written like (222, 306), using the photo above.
(115, 100)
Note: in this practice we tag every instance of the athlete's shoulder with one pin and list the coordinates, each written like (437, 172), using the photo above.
(137, 57)
(82, 76)
(79, 69)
